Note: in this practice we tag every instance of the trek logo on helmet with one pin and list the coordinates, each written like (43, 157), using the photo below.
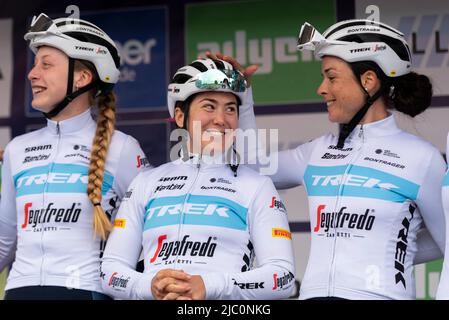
(359, 50)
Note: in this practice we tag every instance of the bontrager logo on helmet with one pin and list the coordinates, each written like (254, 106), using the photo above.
(84, 29)
(389, 49)
(204, 75)
(362, 30)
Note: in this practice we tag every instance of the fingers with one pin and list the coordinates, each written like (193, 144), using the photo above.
(209, 55)
(249, 71)
(234, 63)
(171, 296)
(172, 273)
(183, 298)
(215, 56)
(178, 287)
(169, 280)
(162, 285)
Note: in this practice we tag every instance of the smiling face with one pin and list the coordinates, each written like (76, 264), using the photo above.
(340, 89)
(48, 78)
(217, 114)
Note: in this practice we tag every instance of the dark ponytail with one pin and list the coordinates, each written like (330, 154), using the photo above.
(412, 93)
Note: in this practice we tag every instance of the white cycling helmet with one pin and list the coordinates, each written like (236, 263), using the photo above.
(204, 75)
(79, 40)
(360, 40)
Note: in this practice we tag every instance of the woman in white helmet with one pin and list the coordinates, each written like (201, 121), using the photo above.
(373, 187)
(203, 218)
(443, 288)
(62, 184)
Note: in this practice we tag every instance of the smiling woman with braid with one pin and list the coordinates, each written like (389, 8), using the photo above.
(63, 184)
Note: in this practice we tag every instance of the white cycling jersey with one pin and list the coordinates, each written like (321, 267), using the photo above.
(367, 203)
(443, 288)
(199, 218)
(45, 209)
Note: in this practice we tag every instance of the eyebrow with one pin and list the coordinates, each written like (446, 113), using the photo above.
(327, 70)
(42, 57)
(216, 101)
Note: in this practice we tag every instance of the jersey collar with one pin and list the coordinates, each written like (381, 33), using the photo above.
(71, 125)
(203, 161)
(381, 128)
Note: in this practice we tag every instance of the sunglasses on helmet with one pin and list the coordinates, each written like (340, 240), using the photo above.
(215, 79)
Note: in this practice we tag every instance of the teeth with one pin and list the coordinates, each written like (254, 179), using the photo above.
(215, 132)
(329, 103)
(38, 90)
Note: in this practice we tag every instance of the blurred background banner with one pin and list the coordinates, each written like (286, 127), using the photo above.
(156, 37)
(141, 38)
(426, 28)
(6, 63)
(262, 32)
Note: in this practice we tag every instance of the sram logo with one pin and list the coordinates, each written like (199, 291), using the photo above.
(53, 177)
(351, 180)
(189, 208)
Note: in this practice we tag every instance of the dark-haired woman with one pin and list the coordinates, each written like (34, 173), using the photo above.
(373, 187)
(443, 288)
(202, 220)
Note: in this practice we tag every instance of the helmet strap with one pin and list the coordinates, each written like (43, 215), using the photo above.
(347, 128)
(70, 95)
(234, 165)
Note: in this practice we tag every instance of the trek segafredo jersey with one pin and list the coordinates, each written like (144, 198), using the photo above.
(45, 210)
(200, 218)
(367, 202)
(443, 288)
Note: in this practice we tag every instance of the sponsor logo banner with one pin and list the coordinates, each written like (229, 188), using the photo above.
(266, 37)
(143, 47)
(425, 26)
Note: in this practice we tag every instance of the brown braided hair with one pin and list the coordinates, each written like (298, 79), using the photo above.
(100, 145)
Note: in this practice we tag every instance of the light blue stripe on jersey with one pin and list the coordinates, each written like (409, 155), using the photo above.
(198, 210)
(360, 182)
(446, 180)
(63, 178)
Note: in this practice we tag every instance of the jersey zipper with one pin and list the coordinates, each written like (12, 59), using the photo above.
(186, 199)
(42, 273)
(331, 285)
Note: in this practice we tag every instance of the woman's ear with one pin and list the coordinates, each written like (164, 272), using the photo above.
(82, 78)
(370, 81)
(179, 117)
